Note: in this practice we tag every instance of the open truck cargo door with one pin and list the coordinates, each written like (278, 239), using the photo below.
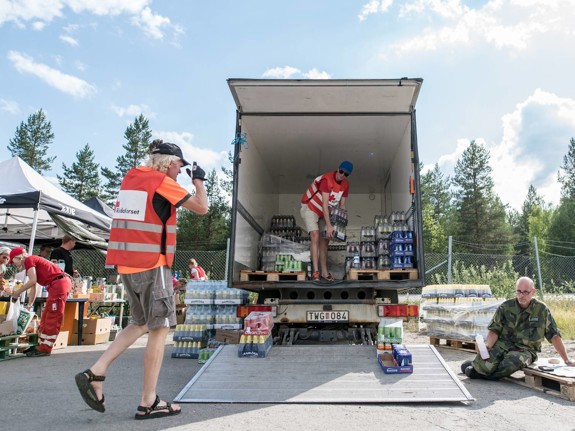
(289, 132)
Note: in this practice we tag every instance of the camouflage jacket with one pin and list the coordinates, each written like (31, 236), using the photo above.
(523, 329)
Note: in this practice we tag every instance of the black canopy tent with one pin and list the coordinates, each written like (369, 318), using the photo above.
(32, 208)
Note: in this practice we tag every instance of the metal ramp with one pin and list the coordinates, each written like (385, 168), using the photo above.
(321, 374)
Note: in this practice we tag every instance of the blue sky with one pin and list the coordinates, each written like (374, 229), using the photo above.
(499, 72)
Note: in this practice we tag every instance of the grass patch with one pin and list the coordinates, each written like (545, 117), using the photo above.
(562, 311)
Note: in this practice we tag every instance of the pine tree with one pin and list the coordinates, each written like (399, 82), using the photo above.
(138, 136)
(532, 202)
(481, 214)
(437, 210)
(81, 180)
(211, 230)
(567, 179)
(32, 140)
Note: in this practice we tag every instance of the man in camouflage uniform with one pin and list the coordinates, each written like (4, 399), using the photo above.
(515, 334)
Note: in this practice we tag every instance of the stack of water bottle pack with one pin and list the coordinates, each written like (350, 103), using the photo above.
(189, 340)
(213, 304)
(256, 340)
(338, 219)
(388, 244)
(458, 312)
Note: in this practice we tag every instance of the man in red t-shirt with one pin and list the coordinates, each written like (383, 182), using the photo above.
(58, 284)
(327, 190)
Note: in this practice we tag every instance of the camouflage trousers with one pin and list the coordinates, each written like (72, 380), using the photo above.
(502, 362)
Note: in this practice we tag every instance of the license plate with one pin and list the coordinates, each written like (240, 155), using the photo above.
(327, 316)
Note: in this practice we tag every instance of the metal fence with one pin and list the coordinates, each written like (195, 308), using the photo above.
(556, 274)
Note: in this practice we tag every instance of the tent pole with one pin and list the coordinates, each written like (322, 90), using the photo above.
(33, 233)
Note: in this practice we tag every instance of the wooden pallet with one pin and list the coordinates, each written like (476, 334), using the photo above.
(382, 274)
(11, 346)
(465, 345)
(272, 276)
(563, 387)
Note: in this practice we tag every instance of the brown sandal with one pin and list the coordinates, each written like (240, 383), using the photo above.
(156, 411)
(87, 391)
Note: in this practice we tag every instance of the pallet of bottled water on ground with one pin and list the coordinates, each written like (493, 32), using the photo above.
(455, 314)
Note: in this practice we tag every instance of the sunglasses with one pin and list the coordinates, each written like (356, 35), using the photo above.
(342, 172)
(523, 292)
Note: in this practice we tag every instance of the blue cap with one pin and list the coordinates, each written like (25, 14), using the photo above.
(346, 166)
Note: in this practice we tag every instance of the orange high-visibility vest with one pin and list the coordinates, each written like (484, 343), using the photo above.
(312, 196)
(138, 236)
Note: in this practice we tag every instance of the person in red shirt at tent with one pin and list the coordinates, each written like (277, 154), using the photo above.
(142, 246)
(327, 190)
(58, 284)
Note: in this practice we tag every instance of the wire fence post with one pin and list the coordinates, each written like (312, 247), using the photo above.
(538, 264)
(449, 254)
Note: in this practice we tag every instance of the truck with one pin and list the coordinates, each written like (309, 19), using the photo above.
(287, 133)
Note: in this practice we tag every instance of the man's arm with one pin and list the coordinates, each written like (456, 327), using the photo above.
(342, 203)
(557, 342)
(197, 203)
(492, 338)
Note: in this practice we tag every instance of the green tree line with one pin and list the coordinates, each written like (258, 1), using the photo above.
(467, 208)
(84, 178)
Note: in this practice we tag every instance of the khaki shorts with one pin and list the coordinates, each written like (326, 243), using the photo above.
(311, 220)
(151, 297)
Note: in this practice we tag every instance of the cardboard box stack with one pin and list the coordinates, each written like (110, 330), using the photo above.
(94, 331)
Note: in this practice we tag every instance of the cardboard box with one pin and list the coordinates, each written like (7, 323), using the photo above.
(6, 328)
(94, 326)
(389, 365)
(91, 339)
(229, 336)
(181, 313)
(62, 340)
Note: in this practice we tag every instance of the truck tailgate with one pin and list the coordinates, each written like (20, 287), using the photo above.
(321, 374)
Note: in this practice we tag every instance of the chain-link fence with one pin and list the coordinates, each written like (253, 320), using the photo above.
(555, 273)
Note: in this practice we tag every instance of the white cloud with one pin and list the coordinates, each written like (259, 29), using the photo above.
(9, 106)
(40, 13)
(374, 6)
(505, 25)
(38, 25)
(29, 10)
(66, 83)
(535, 138)
(107, 7)
(151, 23)
(205, 157)
(133, 111)
(69, 40)
(80, 66)
(288, 72)
(281, 72)
(316, 74)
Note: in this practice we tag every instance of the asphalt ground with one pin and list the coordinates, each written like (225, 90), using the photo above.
(40, 394)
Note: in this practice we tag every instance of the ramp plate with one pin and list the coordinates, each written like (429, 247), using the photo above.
(321, 374)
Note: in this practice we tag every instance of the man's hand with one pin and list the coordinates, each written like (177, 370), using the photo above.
(196, 172)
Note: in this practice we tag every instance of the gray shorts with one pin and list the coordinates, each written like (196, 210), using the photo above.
(311, 220)
(151, 297)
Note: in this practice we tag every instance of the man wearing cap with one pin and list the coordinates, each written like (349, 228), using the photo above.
(142, 245)
(58, 284)
(326, 192)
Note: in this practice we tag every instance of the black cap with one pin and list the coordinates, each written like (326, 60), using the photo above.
(170, 150)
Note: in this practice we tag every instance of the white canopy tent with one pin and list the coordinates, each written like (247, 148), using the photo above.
(30, 206)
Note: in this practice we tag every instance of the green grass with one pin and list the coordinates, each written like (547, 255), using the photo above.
(562, 311)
